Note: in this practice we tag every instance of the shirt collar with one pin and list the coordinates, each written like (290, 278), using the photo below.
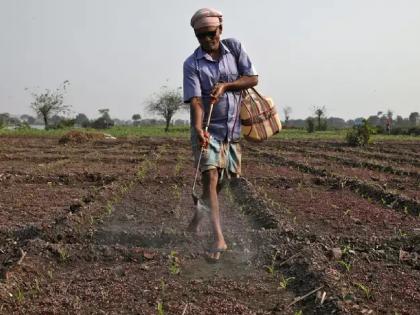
(202, 54)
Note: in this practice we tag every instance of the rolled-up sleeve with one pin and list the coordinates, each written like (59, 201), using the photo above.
(192, 86)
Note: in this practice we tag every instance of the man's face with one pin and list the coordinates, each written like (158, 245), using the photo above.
(209, 37)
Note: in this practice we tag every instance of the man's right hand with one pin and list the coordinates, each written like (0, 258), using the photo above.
(203, 138)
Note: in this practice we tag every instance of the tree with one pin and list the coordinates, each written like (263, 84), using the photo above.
(28, 119)
(104, 121)
(286, 111)
(136, 118)
(320, 113)
(82, 120)
(166, 103)
(414, 118)
(310, 126)
(50, 103)
(389, 115)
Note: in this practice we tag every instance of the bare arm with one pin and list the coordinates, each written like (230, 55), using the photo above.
(197, 113)
(197, 117)
(244, 82)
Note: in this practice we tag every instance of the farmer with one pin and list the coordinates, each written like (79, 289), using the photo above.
(215, 73)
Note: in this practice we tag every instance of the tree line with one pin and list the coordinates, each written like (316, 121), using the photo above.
(51, 111)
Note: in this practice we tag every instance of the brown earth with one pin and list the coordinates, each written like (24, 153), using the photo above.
(99, 227)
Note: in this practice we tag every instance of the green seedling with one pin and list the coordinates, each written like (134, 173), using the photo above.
(346, 265)
(271, 268)
(284, 282)
(299, 312)
(366, 290)
(402, 234)
(174, 267)
(159, 308)
(35, 289)
(346, 249)
(19, 296)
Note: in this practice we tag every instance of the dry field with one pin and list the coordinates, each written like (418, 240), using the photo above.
(313, 227)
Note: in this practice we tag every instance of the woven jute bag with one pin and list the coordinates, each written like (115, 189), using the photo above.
(259, 117)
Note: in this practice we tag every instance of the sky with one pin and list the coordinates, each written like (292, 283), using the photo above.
(353, 57)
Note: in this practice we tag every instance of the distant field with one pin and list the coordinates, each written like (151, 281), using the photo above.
(183, 132)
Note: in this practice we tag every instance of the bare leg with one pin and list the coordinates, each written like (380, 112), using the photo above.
(210, 192)
(198, 216)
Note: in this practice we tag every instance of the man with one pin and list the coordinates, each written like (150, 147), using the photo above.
(215, 73)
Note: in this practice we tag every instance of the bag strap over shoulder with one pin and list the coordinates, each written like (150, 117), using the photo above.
(228, 43)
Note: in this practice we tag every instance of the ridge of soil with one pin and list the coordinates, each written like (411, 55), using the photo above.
(99, 227)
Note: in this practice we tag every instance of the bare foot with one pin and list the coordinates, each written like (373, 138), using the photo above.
(213, 254)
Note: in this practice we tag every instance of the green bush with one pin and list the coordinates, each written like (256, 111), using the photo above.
(310, 125)
(415, 131)
(64, 123)
(360, 135)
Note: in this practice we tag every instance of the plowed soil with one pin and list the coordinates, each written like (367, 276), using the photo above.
(100, 227)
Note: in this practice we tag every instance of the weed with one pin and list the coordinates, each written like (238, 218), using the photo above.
(346, 265)
(402, 234)
(159, 307)
(144, 167)
(299, 312)
(271, 268)
(63, 255)
(174, 267)
(284, 282)
(177, 192)
(108, 208)
(36, 289)
(366, 290)
(178, 165)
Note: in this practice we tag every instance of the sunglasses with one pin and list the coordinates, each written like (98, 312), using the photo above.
(211, 35)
